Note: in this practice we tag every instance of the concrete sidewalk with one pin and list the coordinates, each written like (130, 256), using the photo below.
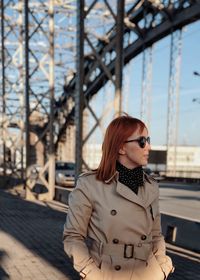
(31, 243)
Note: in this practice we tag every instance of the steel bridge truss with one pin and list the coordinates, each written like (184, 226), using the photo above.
(145, 22)
(12, 87)
(48, 81)
(30, 33)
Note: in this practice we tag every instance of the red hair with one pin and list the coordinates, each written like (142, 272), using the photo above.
(116, 134)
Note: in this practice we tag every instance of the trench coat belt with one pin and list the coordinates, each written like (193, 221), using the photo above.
(137, 251)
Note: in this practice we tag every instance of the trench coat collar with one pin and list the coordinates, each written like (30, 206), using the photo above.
(145, 196)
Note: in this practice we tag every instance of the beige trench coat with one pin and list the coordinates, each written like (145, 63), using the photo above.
(123, 231)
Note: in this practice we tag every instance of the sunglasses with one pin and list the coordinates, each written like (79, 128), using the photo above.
(141, 141)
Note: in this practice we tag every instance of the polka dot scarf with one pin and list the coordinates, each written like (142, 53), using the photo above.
(132, 178)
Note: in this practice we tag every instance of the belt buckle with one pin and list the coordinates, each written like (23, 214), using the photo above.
(128, 251)
(82, 275)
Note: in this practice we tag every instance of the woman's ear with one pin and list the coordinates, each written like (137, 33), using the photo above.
(121, 151)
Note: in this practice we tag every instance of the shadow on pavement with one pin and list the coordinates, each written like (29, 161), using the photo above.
(3, 274)
(38, 228)
(9, 182)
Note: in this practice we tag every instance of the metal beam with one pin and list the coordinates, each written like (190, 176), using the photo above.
(120, 57)
(146, 86)
(79, 99)
(51, 90)
(3, 85)
(173, 101)
(27, 85)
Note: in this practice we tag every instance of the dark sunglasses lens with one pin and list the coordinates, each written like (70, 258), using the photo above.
(142, 141)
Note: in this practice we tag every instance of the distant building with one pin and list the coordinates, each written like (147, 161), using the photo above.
(182, 161)
(92, 154)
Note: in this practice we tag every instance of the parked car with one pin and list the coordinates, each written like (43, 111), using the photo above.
(65, 173)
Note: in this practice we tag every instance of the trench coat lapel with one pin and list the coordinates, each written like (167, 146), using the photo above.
(129, 194)
(145, 196)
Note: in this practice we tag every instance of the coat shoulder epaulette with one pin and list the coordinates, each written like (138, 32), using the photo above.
(87, 173)
(149, 178)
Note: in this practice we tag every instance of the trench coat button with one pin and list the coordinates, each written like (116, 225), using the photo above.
(115, 241)
(117, 267)
(143, 237)
(113, 212)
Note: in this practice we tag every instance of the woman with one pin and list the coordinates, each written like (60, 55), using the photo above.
(113, 228)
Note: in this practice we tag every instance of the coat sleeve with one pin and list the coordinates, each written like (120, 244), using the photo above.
(159, 247)
(75, 232)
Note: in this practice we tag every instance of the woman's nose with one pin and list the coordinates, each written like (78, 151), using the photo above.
(148, 146)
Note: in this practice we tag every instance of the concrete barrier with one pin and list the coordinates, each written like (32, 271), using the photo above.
(181, 232)
(61, 194)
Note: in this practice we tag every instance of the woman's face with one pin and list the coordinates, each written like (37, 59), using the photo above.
(131, 154)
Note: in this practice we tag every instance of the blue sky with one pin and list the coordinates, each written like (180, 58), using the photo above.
(189, 111)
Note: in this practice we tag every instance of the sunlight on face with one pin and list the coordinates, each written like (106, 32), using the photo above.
(131, 154)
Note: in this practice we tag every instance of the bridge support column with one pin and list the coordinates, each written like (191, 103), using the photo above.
(79, 99)
(173, 101)
(40, 178)
(120, 58)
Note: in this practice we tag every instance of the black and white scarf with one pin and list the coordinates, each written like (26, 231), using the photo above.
(132, 178)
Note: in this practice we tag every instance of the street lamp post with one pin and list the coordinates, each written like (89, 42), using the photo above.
(196, 73)
(196, 99)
